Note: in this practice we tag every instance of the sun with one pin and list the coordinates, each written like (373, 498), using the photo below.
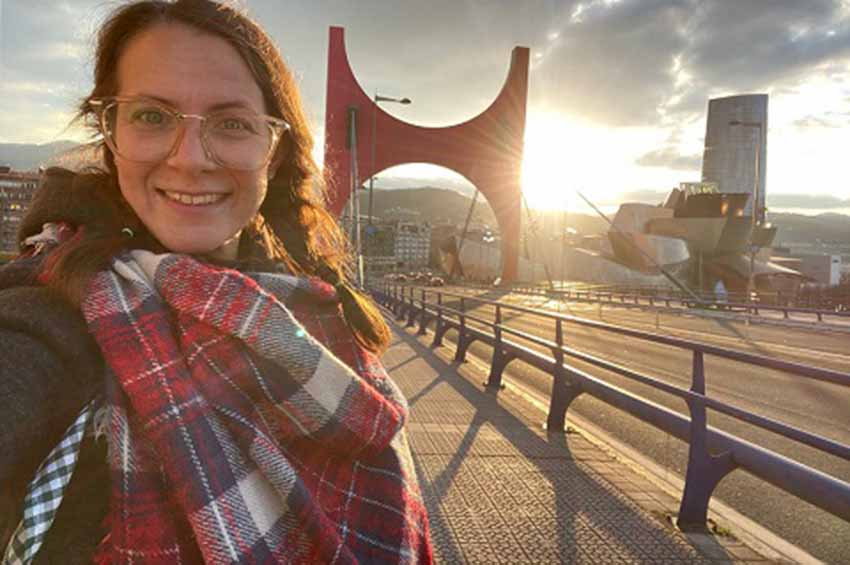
(552, 165)
(564, 155)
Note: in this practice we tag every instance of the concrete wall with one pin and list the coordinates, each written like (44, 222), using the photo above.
(730, 150)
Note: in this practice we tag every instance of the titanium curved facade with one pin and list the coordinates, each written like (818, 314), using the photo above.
(735, 144)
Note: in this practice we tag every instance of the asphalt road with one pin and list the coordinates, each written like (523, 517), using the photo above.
(814, 406)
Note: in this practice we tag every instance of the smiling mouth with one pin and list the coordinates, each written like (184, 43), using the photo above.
(193, 199)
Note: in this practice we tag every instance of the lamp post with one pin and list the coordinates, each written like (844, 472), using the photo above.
(756, 208)
(376, 99)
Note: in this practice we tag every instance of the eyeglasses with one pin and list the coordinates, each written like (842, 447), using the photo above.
(148, 131)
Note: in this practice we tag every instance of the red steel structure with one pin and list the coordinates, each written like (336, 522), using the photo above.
(486, 150)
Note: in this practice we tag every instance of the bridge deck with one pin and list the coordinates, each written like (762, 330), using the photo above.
(500, 490)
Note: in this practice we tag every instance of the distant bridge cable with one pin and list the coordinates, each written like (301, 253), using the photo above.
(533, 230)
(456, 263)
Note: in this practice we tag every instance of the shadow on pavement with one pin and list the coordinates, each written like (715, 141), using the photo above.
(499, 491)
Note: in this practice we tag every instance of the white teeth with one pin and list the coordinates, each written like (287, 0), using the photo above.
(198, 200)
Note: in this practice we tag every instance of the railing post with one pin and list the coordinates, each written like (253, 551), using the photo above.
(439, 328)
(411, 311)
(402, 307)
(563, 393)
(497, 364)
(705, 470)
(423, 317)
(460, 353)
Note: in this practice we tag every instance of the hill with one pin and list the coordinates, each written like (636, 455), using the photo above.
(27, 156)
(437, 205)
(828, 228)
(434, 205)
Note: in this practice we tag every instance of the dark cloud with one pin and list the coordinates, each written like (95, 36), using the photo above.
(613, 63)
(616, 64)
(670, 158)
(747, 45)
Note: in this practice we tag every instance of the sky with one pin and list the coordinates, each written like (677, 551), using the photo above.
(618, 89)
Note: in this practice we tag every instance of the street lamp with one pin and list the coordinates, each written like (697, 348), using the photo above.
(376, 99)
(756, 208)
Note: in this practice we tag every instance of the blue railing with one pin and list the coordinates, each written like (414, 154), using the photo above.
(712, 454)
(670, 300)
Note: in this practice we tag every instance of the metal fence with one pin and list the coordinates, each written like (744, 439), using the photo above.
(638, 297)
(712, 454)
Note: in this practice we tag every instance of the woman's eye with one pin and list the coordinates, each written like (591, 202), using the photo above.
(235, 125)
(149, 117)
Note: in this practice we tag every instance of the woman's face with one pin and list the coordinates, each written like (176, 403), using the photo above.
(187, 201)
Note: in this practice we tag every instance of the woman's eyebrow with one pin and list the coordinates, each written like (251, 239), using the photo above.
(226, 105)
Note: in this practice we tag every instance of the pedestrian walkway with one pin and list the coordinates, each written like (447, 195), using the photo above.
(500, 490)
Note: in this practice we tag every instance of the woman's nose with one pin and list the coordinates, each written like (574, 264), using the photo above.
(189, 151)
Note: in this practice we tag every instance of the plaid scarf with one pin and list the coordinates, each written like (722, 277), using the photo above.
(245, 424)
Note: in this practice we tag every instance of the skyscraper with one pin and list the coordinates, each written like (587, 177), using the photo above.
(735, 154)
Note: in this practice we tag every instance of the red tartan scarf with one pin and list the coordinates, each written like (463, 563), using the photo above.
(245, 424)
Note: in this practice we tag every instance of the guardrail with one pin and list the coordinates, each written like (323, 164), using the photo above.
(668, 301)
(712, 454)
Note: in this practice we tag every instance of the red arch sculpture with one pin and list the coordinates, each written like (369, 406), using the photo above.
(487, 149)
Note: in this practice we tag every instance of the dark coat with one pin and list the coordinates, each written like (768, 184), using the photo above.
(49, 369)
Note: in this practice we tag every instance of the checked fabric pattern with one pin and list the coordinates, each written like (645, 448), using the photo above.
(45, 491)
(245, 423)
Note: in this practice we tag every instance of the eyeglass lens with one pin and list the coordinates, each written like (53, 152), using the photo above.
(147, 132)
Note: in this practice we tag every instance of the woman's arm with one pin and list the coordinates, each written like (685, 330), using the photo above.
(49, 368)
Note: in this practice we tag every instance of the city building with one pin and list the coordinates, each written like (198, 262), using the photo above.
(823, 269)
(16, 192)
(412, 244)
(394, 245)
(735, 156)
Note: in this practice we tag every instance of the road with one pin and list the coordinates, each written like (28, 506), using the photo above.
(817, 407)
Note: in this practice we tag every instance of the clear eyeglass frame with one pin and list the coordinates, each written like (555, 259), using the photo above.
(277, 127)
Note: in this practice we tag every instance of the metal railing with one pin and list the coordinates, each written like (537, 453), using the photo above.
(674, 300)
(712, 453)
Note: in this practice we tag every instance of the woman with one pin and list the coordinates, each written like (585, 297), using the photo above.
(183, 314)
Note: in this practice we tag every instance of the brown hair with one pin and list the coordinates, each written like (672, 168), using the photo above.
(293, 225)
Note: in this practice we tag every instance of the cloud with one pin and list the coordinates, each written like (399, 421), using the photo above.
(745, 46)
(670, 158)
(649, 64)
(825, 120)
(613, 64)
(658, 61)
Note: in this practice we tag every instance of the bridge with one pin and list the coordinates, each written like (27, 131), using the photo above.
(555, 429)
(675, 430)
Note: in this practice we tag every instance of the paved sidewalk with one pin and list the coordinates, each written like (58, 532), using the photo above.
(500, 490)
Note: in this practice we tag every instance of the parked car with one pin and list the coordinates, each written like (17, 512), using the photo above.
(436, 281)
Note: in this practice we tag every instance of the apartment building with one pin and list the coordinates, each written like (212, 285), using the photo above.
(16, 192)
